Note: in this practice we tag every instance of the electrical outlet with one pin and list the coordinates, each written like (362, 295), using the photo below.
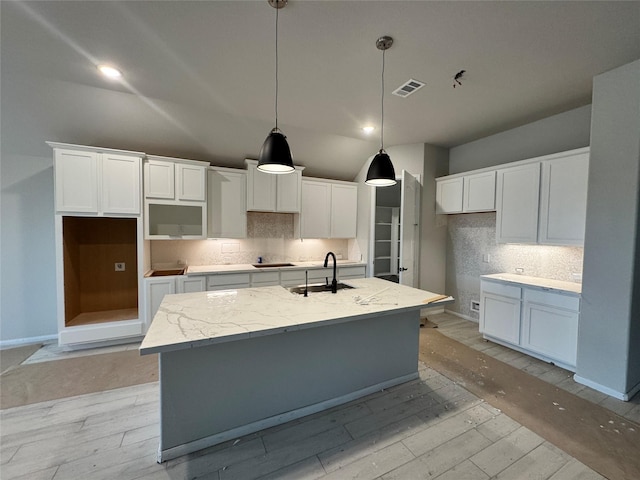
(576, 277)
(486, 258)
(519, 270)
(120, 266)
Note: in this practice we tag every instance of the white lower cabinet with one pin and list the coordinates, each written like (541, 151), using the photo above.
(224, 281)
(500, 311)
(157, 287)
(550, 325)
(155, 290)
(538, 322)
(265, 279)
(191, 284)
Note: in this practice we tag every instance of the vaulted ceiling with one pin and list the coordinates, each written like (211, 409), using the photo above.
(199, 75)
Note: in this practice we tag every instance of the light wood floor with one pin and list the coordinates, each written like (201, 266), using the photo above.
(428, 428)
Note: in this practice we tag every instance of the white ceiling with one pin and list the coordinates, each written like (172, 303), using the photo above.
(199, 76)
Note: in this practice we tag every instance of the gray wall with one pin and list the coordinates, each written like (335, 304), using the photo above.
(565, 131)
(609, 332)
(433, 236)
(27, 257)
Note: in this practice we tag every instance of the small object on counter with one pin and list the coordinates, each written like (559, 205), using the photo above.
(435, 299)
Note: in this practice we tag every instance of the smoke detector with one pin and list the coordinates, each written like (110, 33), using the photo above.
(408, 87)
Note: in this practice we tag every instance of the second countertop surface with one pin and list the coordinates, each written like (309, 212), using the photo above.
(249, 268)
(538, 282)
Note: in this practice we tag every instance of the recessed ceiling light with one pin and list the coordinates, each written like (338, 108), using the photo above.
(368, 129)
(109, 71)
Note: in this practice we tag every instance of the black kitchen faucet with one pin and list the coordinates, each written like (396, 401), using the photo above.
(334, 282)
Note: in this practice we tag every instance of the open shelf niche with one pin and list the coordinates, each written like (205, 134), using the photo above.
(94, 292)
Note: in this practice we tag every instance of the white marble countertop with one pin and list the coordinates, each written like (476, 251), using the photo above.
(241, 268)
(191, 320)
(538, 282)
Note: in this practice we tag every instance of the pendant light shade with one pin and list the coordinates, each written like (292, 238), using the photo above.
(381, 172)
(275, 155)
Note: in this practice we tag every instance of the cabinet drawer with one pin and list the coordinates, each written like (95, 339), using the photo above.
(268, 278)
(230, 279)
(552, 299)
(500, 289)
(292, 277)
(352, 272)
(320, 274)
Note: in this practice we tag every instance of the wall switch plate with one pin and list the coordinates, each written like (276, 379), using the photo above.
(486, 258)
(120, 266)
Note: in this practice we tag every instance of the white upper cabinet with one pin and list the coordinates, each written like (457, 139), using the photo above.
(563, 199)
(479, 192)
(288, 192)
(329, 209)
(315, 217)
(175, 198)
(175, 179)
(344, 210)
(121, 183)
(268, 192)
(517, 196)
(96, 181)
(76, 181)
(449, 195)
(191, 182)
(226, 203)
(261, 189)
(466, 193)
(159, 179)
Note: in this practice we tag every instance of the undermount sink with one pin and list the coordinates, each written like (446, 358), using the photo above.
(318, 287)
(267, 265)
(164, 273)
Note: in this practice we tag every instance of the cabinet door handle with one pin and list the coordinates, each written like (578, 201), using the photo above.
(402, 269)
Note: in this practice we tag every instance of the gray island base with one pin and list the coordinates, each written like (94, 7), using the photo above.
(237, 361)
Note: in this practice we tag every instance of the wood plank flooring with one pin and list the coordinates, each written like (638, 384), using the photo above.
(428, 428)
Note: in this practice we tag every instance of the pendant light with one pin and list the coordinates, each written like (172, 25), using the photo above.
(275, 155)
(381, 172)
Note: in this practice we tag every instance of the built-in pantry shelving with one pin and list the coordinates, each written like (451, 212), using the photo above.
(387, 241)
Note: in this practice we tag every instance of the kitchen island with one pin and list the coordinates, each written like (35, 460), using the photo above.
(234, 362)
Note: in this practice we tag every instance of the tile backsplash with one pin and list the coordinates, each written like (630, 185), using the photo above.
(471, 241)
(269, 235)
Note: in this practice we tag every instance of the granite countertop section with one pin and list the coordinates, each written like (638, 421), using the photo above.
(249, 268)
(542, 283)
(192, 320)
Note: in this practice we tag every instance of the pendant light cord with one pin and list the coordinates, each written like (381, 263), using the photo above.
(382, 107)
(277, 10)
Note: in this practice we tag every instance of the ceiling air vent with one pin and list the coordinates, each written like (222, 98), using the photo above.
(408, 88)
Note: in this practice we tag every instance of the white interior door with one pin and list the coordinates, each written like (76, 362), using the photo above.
(409, 233)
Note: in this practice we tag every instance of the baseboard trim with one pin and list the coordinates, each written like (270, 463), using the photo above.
(17, 342)
(606, 390)
(466, 317)
(177, 451)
